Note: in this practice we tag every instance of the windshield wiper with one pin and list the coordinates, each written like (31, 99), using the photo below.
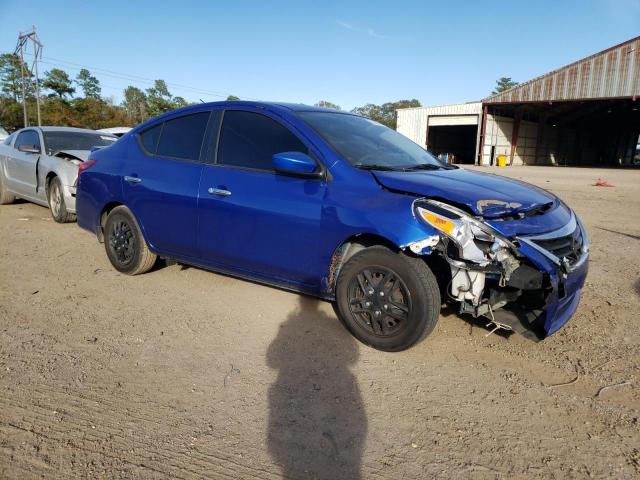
(423, 166)
(364, 166)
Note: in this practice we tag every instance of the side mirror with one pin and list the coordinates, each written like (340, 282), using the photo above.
(26, 148)
(297, 164)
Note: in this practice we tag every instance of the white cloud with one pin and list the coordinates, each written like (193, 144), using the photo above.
(355, 28)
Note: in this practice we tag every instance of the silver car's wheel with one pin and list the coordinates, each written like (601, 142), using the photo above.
(56, 202)
(55, 199)
(5, 197)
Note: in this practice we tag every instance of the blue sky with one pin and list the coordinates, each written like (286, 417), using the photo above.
(350, 53)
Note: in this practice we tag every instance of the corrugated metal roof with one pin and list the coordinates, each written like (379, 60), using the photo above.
(612, 73)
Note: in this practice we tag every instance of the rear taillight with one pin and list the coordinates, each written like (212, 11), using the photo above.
(85, 165)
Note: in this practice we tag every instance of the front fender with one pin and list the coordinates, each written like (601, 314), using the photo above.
(368, 210)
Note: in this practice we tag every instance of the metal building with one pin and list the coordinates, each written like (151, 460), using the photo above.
(444, 128)
(586, 113)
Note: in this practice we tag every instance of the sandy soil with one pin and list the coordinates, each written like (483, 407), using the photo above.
(183, 373)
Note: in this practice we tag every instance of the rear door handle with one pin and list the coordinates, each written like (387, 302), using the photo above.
(132, 179)
(219, 191)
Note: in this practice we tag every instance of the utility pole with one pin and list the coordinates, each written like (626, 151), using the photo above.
(21, 48)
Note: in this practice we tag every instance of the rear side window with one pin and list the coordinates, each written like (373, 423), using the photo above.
(149, 138)
(29, 137)
(7, 141)
(182, 137)
(250, 139)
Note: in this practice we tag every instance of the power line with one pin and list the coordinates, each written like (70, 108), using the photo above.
(135, 78)
(126, 82)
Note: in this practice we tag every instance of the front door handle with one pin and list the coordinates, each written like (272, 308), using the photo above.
(219, 191)
(132, 179)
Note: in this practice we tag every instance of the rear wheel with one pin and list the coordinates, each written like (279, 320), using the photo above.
(56, 202)
(5, 197)
(125, 245)
(387, 300)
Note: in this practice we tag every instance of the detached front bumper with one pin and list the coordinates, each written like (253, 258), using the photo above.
(565, 276)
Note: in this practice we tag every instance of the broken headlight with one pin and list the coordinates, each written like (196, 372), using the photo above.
(480, 250)
(476, 241)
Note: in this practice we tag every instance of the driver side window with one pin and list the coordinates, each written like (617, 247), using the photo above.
(248, 140)
(29, 138)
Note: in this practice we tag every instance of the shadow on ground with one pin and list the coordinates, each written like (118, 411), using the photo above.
(317, 421)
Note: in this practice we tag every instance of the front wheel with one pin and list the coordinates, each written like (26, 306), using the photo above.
(125, 245)
(56, 202)
(387, 300)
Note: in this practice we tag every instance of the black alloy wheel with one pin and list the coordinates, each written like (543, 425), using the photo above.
(379, 300)
(122, 242)
(387, 299)
(125, 244)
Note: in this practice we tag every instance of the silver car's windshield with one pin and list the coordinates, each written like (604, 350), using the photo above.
(56, 141)
(368, 144)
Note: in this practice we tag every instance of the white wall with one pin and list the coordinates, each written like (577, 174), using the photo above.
(412, 122)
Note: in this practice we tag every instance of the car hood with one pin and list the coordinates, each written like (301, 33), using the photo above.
(486, 195)
(82, 155)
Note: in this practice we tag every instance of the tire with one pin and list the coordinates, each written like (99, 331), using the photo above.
(124, 243)
(5, 197)
(55, 199)
(393, 306)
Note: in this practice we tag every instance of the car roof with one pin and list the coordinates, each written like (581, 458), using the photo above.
(65, 129)
(295, 107)
(269, 106)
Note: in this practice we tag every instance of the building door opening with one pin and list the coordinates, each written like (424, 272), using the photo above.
(456, 140)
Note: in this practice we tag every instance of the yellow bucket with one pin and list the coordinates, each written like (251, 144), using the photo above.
(502, 160)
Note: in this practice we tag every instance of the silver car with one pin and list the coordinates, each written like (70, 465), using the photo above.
(40, 164)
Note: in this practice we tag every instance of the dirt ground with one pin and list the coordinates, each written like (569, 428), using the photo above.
(184, 373)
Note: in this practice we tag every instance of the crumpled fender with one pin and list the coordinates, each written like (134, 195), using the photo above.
(386, 214)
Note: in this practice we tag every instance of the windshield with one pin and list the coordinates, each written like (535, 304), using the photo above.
(56, 141)
(367, 144)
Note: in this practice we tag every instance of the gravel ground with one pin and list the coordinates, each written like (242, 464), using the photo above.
(183, 373)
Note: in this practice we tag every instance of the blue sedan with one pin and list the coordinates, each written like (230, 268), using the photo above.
(335, 205)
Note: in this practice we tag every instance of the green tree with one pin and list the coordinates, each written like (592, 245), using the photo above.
(232, 98)
(11, 116)
(58, 111)
(502, 84)
(89, 84)
(11, 78)
(370, 111)
(327, 104)
(135, 105)
(385, 113)
(179, 102)
(58, 82)
(159, 100)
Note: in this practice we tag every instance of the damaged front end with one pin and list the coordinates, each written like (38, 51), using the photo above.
(528, 284)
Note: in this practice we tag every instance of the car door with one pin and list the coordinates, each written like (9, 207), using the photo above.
(160, 182)
(21, 167)
(252, 219)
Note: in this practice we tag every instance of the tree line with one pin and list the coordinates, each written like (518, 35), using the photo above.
(78, 101)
